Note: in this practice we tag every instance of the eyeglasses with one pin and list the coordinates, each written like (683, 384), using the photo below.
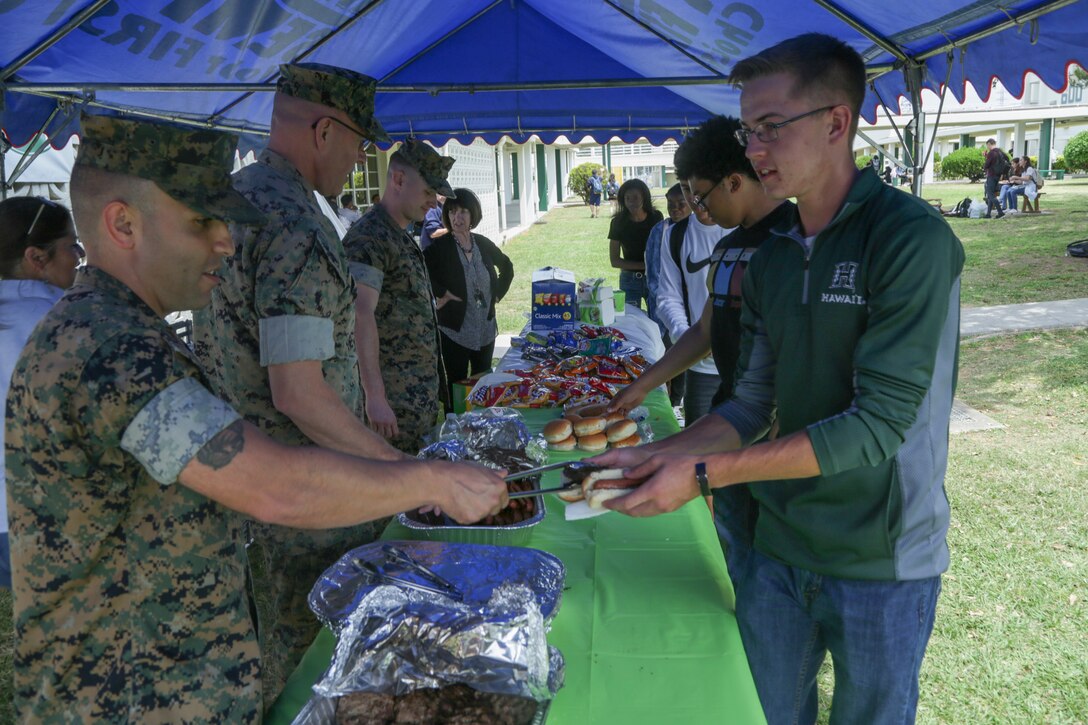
(699, 200)
(364, 142)
(34, 222)
(768, 132)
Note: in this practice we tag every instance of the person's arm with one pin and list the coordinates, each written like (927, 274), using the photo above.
(671, 308)
(503, 266)
(618, 262)
(693, 346)
(300, 392)
(306, 487)
(436, 271)
(378, 413)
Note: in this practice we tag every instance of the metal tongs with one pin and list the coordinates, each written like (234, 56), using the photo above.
(395, 556)
(573, 470)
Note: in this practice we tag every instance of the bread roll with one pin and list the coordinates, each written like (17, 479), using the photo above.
(594, 442)
(631, 440)
(615, 416)
(602, 486)
(621, 429)
(567, 444)
(589, 426)
(575, 494)
(557, 430)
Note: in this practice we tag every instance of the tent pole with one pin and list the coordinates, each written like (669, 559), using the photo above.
(58, 35)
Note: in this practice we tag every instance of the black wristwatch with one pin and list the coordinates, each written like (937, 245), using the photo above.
(704, 482)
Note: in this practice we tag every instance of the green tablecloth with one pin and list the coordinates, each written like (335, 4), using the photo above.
(646, 625)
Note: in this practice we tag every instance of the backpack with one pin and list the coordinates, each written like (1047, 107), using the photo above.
(962, 209)
(1003, 166)
(1078, 249)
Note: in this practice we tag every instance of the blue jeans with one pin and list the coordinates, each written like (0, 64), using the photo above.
(735, 520)
(1009, 195)
(699, 390)
(876, 632)
(5, 561)
(634, 284)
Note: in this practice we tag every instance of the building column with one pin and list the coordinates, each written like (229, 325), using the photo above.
(1046, 134)
(1020, 142)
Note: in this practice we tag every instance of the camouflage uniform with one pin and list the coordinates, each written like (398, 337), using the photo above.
(287, 296)
(131, 601)
(385, 258)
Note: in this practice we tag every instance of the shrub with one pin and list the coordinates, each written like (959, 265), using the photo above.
(1076, 152)
(863, 161)
(964, 163)
(1059, 164)
(576, 182)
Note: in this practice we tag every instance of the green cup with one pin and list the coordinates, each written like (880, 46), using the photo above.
(620, 298)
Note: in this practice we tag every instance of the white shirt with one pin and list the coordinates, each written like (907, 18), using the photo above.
(699, 242)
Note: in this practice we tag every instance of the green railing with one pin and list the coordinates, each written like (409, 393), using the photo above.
(1057, 174)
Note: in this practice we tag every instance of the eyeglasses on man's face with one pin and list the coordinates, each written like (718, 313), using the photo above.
(364, 142)
(768, 132)
(699, 199)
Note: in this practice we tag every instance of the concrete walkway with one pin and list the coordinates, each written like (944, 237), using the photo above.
(1028, 316)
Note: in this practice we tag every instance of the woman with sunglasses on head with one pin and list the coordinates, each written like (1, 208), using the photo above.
(627, 237)
(39, 254)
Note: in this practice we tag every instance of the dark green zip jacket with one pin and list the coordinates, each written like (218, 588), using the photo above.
(855, 339)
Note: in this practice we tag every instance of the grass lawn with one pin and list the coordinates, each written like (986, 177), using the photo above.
(1009, 642)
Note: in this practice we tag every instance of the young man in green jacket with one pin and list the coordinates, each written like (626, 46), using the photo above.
(850, 335)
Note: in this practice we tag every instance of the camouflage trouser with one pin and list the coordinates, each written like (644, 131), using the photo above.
(413, 425)
(285, 564)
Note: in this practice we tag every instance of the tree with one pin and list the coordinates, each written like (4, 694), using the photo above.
(966, 162)
(579, 175)
(1076, 153)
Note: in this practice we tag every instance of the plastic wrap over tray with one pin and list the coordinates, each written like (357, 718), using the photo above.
(394, 640)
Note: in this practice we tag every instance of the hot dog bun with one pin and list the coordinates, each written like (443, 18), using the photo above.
(557, 430)
(605, 485)
(623, 428)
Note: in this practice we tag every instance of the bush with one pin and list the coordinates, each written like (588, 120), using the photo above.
(863, 161)
(964, 163)
(1076, 153)
(1058, 164)
(576, 182)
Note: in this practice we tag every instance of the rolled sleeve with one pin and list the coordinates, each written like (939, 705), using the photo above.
(173, 426)
(366, 274)
(292, 338)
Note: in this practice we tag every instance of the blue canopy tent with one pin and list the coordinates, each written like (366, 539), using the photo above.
(470, 69)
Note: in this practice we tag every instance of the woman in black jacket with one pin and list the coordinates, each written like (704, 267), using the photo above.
(469, 274)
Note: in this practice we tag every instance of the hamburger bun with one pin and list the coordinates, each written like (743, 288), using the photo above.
(567, 444)
(594, 442)
(589, 426)
(589, 410)
(623, 428)
(557, 430)
(615, 416)
(631, 440)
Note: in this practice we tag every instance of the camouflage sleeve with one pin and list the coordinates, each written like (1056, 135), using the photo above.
(366, 274)
(172, 428)
(291, 338)
(292, 300)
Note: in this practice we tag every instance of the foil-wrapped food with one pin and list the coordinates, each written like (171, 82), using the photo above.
(453, 630)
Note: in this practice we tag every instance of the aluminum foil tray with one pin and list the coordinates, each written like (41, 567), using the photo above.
(512, 535)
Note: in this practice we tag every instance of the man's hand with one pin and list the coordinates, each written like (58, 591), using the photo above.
(627, 399)
(670, 483)
(381, 417)
(448, 297)
(471, 491)
(621, 457)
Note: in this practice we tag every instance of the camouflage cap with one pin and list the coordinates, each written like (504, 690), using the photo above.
(432, 166)
(192, 165)
(339, 88)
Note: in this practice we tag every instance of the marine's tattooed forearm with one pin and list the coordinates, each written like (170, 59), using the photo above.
(221, 450)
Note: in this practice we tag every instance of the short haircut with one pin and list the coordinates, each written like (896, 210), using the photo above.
(92, 189)
(991, 142)
(675, 190)
(465, 199)
(823, 68)
(712, 152)
(346, 199)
